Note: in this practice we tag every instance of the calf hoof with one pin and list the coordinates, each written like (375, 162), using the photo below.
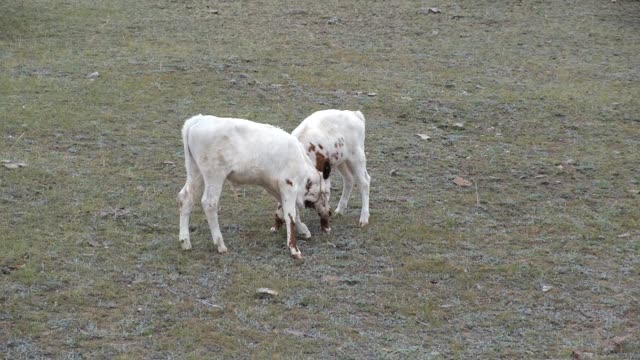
(295, 253)
(364, 223)
(273, 229)
(185, 244)
(222, 249)
(326, 230)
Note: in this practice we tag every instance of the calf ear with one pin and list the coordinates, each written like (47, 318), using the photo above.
(326, 171)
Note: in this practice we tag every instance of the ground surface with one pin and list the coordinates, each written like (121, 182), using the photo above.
(538, 258)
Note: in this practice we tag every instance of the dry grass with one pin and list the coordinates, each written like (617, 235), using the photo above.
(548, 95)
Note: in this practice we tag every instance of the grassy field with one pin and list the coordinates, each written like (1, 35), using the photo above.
(536, 103)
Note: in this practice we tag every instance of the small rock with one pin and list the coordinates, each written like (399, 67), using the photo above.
(625, 235)
(424, 136)
(334, 20)
(266, 293)
(213, 11)
(13, 165)
(330, 278)
(393, 172)
(546, 288)
(294, 332)
(459, 126)
(433, 10)
(372, 94)
(461, 182)
(93, 75)
(94, 243)
(581, 355)
(351, 282)
(115, 212)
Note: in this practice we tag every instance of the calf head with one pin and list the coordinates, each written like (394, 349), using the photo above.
(316, 195)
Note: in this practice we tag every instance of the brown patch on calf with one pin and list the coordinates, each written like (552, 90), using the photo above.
(312, 147)
(292, 239)
(289, 182)
(320, 146)
(320, 159)
(323, 165)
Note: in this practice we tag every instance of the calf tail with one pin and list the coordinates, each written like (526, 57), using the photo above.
(360, 116)
(189, 161)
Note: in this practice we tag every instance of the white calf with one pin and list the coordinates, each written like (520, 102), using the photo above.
(338, 136)
(245, 152)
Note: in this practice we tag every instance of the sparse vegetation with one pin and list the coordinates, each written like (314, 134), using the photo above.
(547, 93)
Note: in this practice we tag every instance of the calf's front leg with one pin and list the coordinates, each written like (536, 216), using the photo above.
(279, 219)
(301, 228)
(289, 212)
(347, 187)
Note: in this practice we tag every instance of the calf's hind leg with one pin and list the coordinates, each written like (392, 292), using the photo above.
(187, 197)
(363, 180)
(347, 186)
(210, 198)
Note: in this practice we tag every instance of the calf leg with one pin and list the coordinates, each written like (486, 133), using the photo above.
(210, 200)
(187, 197)
(289, 210)
(301, 227)
(279, 219)
(347, 186)
(363, 180)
